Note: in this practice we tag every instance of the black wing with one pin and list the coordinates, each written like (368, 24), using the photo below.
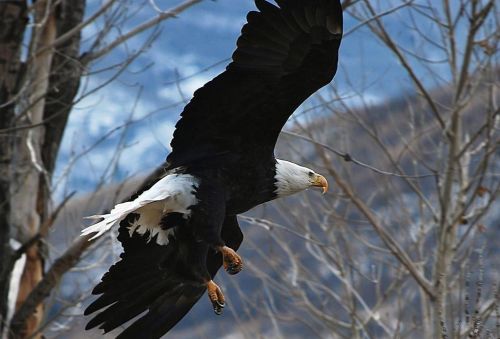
(156, 279)
(283, 55)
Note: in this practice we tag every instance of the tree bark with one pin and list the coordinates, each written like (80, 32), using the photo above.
(53, 77)
(64, 80)
(13, 20)
(27, 204)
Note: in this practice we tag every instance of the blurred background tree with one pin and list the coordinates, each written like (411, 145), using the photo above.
(41, 66)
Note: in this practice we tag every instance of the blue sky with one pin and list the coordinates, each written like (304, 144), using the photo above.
(148, 94)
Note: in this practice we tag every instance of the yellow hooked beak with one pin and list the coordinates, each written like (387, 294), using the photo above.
(320, 181)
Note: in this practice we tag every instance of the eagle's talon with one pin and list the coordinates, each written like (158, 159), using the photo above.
(218, 307)
(217, 310)
(231, 260)
(233, 268)
(216, 297)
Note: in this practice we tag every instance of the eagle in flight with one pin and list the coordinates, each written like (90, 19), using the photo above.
(178, 233)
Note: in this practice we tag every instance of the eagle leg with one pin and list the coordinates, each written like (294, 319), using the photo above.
(216, 297)
(231, 260)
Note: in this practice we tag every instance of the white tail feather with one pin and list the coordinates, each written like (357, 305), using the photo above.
(95, 217)
(102, 226)
(178, 186)
(117, 214)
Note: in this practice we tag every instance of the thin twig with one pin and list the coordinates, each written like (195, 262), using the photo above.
(347, 157)
(139, 29)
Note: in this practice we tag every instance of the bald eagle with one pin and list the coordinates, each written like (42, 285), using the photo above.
(183, 228)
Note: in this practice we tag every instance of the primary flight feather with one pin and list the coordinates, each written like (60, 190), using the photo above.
(178, 233)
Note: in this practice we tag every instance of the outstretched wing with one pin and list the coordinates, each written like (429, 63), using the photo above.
(283, 55)
(155, 281)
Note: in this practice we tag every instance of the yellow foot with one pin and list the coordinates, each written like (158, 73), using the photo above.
(216, 297)
(231, 260)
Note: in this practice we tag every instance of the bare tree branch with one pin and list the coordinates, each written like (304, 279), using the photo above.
(172, 13)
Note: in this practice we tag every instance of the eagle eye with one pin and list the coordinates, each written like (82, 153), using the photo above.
(310, 173)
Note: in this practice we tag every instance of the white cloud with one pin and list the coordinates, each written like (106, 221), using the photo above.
(98, 115)
(185, 64)
(148, 148)
(186, 87)
(354, 100)
(211, 21)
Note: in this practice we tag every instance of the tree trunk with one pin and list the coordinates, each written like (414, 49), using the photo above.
(64, 80)
(13, 20)
(52, 81)
(28, 204)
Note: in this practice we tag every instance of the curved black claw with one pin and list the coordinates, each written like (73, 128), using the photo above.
(218, 307)
(216, 297)
(234, 267)
(231, 260)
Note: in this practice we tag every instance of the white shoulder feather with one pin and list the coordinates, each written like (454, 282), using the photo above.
(172, 193)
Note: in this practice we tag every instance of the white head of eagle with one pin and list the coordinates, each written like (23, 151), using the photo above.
(292, 178)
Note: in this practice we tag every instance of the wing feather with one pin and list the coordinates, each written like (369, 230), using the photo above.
(149, 283)
(284, 54)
